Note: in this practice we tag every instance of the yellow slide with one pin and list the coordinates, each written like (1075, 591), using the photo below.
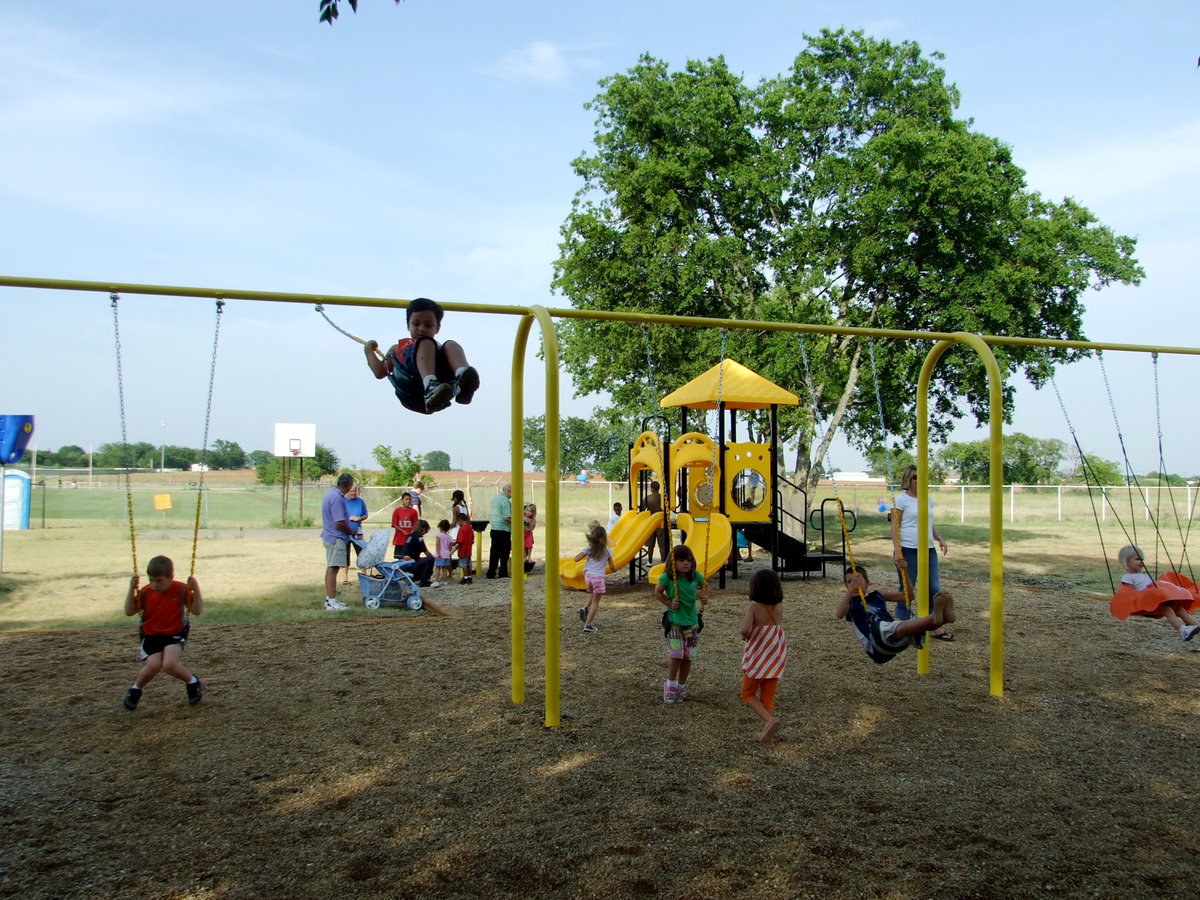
(627, 537)
(715, 532)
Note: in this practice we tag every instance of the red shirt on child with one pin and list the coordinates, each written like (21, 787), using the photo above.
(404, 520)
(162, 611)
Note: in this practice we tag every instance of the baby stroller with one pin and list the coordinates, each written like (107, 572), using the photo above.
(393, 586)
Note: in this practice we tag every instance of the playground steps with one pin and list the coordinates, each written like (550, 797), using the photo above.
(794, 555)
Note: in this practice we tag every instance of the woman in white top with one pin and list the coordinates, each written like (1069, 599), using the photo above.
(904, 545)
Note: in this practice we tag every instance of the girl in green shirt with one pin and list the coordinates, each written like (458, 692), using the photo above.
(678, 589)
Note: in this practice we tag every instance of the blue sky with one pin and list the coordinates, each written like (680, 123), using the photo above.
(425, 149)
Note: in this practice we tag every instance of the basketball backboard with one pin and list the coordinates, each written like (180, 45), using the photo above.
(295, 440)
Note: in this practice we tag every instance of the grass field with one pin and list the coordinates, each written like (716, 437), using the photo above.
(75, 575)
(72, 571)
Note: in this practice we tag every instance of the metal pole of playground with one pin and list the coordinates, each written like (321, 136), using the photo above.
(996, 496)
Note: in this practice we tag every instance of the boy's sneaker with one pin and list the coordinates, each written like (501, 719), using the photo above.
(195, 692)
(583, 614)
(590, 629)
(438, 395)
(132, 698)
(670, 694)
(467, 384)
(334, 605)
(1189, 631)
(467, 580)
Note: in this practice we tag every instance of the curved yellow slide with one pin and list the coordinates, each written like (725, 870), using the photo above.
(713, 535)
(627, 537)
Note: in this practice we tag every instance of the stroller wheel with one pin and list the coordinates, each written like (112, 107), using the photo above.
(371, 602)
(414, 602)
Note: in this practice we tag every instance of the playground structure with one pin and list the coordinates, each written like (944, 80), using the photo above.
(527, 316)
(714, 489)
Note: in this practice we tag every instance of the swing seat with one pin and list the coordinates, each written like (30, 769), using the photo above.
(1171, 588)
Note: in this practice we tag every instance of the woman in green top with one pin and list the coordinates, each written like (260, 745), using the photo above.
(678, 589)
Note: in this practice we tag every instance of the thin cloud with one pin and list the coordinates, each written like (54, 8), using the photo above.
(539, 62)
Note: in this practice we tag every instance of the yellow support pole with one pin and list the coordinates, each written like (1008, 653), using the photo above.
(995, 497)
(517, 608)
(517, 477)
(553, 627)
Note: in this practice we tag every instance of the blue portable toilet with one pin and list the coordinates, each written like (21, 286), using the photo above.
(15, 432)
(16, 501)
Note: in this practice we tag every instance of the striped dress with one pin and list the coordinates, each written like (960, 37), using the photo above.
(766, 650)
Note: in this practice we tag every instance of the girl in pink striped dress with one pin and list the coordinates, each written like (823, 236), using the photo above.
(765, 656)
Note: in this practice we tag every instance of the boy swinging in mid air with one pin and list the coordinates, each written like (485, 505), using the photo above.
(427, 376)
(881, 636)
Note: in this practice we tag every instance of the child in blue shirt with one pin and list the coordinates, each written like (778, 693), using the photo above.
(882, 636)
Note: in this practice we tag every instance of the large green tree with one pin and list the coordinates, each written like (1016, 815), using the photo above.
(70, 456)
(843, 192)
(226, 455)
(1090, 469)
(599, 444)
(1027, 460)
(436, 461)
(397, 469)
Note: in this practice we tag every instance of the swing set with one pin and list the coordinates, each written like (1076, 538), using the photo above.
(212, 373)
(529, 315)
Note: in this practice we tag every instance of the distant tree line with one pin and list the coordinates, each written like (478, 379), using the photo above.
(602, 445)
(398, 468)
(1026, 460)
(143, 455)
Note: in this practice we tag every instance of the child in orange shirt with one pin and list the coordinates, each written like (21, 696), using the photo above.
(164, 605)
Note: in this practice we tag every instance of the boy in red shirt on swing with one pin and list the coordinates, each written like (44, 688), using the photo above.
(164, 605)
(427, 376)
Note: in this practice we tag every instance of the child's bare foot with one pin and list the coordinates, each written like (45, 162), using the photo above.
(943, 608)
(764, 737)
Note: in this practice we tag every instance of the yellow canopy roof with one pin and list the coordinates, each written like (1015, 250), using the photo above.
(737, 388)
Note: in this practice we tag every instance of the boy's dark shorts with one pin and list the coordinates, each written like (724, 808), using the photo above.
(156, 643)
(406, 378)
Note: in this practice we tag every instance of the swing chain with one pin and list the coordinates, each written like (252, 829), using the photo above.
(321, 309)
(887, 448)
(212, 376)
(712, 472)
(649, 364)
(1157, 404)
(832, 478)
(114, 298)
